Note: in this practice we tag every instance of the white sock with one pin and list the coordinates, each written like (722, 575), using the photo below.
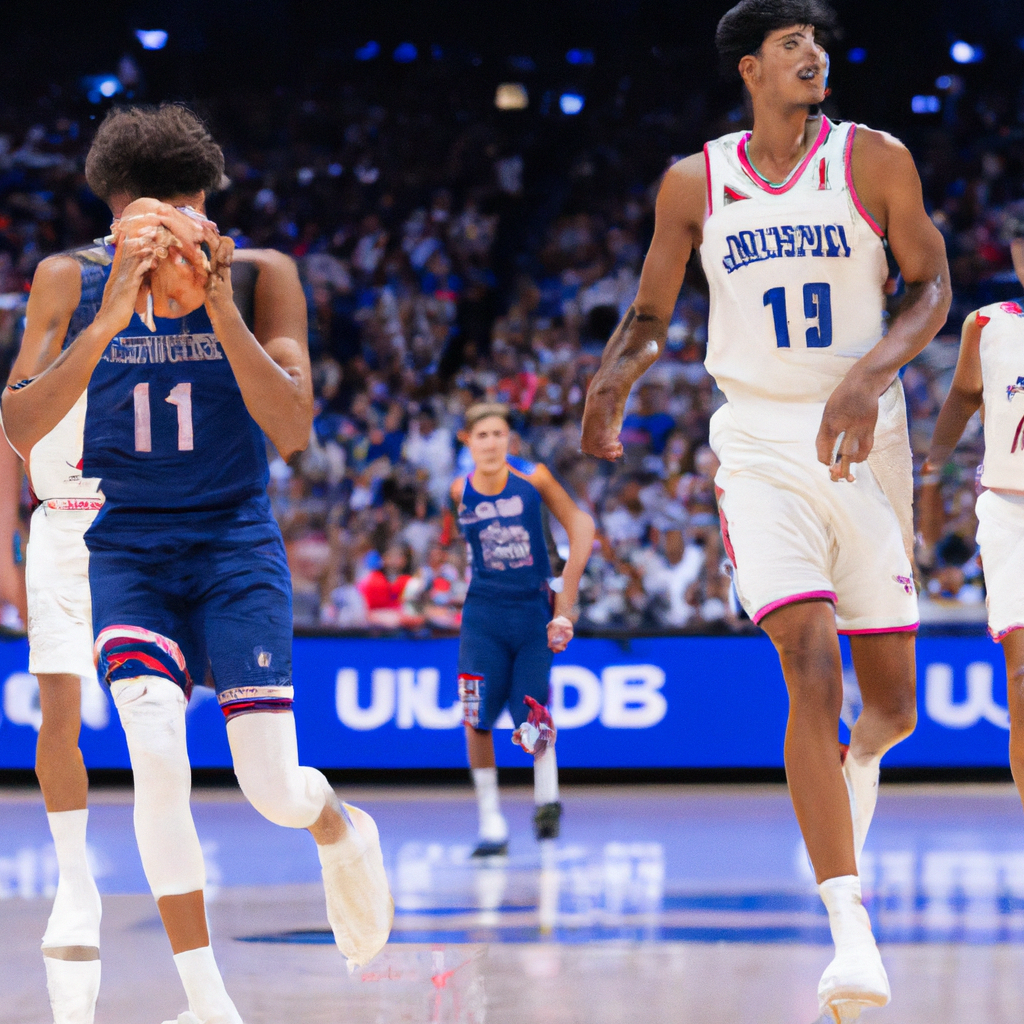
(493, 827)
(862, 785)
(847, 919)
(75, 918)
(545, 778)
(73, 986)
(207, 996)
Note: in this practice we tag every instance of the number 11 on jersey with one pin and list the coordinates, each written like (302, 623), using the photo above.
(181, 397)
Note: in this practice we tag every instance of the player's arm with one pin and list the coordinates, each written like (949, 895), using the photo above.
(271, 362)
(640, 337)
(580, 528)
(57, 379)
(962, 402)
(889, 187)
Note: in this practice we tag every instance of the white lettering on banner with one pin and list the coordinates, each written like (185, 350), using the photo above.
(979, 703)
(631, 696)
(625, 697)
(588, 696)
(21, 702)
(382, 700)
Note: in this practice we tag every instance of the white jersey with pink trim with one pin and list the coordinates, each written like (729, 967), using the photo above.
(55, 462)
(1002, 374)
(796, 273)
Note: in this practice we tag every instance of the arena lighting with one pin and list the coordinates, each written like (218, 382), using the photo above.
(101, 87)
(368, 52)
(943, 81)
(857, 55)
(511, 96)
(151, 38)
(964, 53)
(405, 53)
(570, 103)
(925, 104)
(580, 57)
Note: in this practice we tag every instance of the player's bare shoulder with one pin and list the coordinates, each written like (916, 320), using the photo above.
(276, 264)
(58, 281)
(684, 190)
(883, 171)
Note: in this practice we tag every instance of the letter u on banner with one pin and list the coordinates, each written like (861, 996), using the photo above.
(980, 703)
(382, 700)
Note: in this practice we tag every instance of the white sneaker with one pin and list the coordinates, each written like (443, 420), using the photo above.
(359, 904)
(855, 979)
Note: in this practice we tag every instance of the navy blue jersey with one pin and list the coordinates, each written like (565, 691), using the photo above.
(166, 426)
(505, 533)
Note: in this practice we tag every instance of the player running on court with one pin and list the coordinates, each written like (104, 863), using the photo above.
(186, 564)
(989, 375)
(511, 629)
(792, 220)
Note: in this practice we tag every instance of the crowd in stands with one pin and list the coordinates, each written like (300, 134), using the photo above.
(448, 259)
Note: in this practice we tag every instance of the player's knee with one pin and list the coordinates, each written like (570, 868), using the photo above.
(152, 713)
(292, 798)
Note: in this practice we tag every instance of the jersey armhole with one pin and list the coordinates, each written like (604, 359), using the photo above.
(848, 167)
(707, 171)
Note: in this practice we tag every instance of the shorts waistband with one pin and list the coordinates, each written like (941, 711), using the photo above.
(73, 504)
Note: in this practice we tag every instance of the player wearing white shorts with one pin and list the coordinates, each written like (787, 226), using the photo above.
(792, 220)
(989, 375)
(60, 655)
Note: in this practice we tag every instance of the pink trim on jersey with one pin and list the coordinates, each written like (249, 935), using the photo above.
(848, 164)
(810, 595)
(1005, 632)
(707, 171)
(778, 190)
(884, 629)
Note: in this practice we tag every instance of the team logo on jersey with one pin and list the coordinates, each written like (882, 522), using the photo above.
(906, 582)
(732, 195)
(1013, 308)
(787, 241)
(1014, 389)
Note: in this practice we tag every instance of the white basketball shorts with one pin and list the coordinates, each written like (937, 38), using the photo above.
(1001, 537)
(57, 580)
(795, 535)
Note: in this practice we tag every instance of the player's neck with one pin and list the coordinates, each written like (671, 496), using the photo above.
(780, 140)
(490, 483)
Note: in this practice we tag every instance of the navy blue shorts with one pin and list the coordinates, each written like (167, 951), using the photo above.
(503, 657)
(180, 593)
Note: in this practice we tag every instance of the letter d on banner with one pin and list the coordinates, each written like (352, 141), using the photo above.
(631, 696)
(382, 701)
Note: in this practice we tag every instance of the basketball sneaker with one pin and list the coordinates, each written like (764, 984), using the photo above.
(547, 821)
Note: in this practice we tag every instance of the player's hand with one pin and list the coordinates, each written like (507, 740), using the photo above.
(172, 227)
(602, 424)
(219, 294)
(847, 431)
(560, 632)
(134, 258)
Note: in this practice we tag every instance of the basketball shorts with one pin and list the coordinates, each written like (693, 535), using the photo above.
(1001, 537)
(793, 534)
(196, 596)
(503, 657)
(57, 582)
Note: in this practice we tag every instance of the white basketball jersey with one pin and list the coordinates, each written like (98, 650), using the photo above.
(1002, 374)
(796, 273)
(55, 462)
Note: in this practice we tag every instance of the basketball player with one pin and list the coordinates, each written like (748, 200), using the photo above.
(511, 628)
(186, 564)
(792, 220)
(989, 375)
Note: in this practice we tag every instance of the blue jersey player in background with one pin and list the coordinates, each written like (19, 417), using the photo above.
(186, 564)
(512, 622)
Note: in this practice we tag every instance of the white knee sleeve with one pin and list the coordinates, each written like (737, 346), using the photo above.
(266, 758)
(152, 711)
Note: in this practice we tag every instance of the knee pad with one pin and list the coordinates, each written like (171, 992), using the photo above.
(471, 693)
(266, 759)
(152, 711)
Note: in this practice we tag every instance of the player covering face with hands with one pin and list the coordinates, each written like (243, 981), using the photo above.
(186, 567)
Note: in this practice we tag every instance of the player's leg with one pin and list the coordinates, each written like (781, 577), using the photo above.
(1013, 650)
(485, 680)
(886, 673)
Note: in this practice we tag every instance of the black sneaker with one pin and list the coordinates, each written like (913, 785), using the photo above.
(488, 848)
(547, 821)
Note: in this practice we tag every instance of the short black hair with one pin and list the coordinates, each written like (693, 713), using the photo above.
(156, 152)
(743, 28)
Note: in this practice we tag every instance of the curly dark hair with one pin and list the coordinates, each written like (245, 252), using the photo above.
(156, 152)
(745, 27)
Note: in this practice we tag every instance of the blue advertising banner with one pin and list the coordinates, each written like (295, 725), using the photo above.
(660, 702)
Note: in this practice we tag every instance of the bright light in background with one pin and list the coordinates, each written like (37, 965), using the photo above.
(964, 53)
(570, 103)
(580, 56)
(511, 96)
(943, 81)
(857, 55)
(151, 39)
(368, 52)
(925, 104)
(405, 53)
